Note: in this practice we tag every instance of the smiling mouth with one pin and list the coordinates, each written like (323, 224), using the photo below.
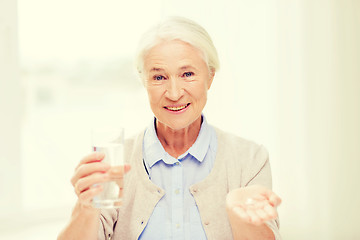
(177, 108)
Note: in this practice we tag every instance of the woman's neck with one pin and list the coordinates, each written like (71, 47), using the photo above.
(176, 142)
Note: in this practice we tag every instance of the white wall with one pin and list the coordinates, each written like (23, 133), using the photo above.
(319, 114)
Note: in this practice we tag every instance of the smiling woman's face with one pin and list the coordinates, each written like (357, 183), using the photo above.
(177, 81)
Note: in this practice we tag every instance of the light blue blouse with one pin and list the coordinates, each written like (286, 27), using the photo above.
(176, 215)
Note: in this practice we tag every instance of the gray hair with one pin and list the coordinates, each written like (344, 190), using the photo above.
(178, 28)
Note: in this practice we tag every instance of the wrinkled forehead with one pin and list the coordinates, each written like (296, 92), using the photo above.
(173, 52)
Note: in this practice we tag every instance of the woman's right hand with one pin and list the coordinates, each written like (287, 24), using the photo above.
(88, 173)
(91, 171)
(84, 222)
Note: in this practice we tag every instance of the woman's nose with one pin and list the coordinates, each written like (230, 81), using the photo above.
(174, 90)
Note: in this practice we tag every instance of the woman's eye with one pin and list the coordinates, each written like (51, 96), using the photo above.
(159, 77)
(188, 74)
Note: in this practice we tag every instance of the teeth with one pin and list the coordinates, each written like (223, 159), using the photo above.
(177, 108)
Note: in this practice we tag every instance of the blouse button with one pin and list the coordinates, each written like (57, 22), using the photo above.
(207, 223)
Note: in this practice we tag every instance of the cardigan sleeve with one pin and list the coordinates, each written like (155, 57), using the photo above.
(258, 171)
(108, 219)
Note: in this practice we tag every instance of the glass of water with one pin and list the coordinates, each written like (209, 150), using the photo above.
(109, 141)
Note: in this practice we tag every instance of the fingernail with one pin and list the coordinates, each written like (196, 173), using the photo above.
(100, 156)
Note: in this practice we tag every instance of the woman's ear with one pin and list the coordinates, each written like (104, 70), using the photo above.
(211, 77)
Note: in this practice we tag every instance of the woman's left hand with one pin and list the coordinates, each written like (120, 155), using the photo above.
(253, 204)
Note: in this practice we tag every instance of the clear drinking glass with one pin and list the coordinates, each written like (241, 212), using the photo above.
(110, 141)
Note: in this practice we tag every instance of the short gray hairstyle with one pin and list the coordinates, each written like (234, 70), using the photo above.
(178, 28)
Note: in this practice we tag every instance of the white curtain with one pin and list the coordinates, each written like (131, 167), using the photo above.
(11, 114)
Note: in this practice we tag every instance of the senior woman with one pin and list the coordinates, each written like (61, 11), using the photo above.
(188, 180)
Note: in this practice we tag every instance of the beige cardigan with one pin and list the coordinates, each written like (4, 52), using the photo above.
(238, 163)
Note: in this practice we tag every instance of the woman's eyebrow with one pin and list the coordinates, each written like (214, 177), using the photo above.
(155, 69)
(187, 67)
